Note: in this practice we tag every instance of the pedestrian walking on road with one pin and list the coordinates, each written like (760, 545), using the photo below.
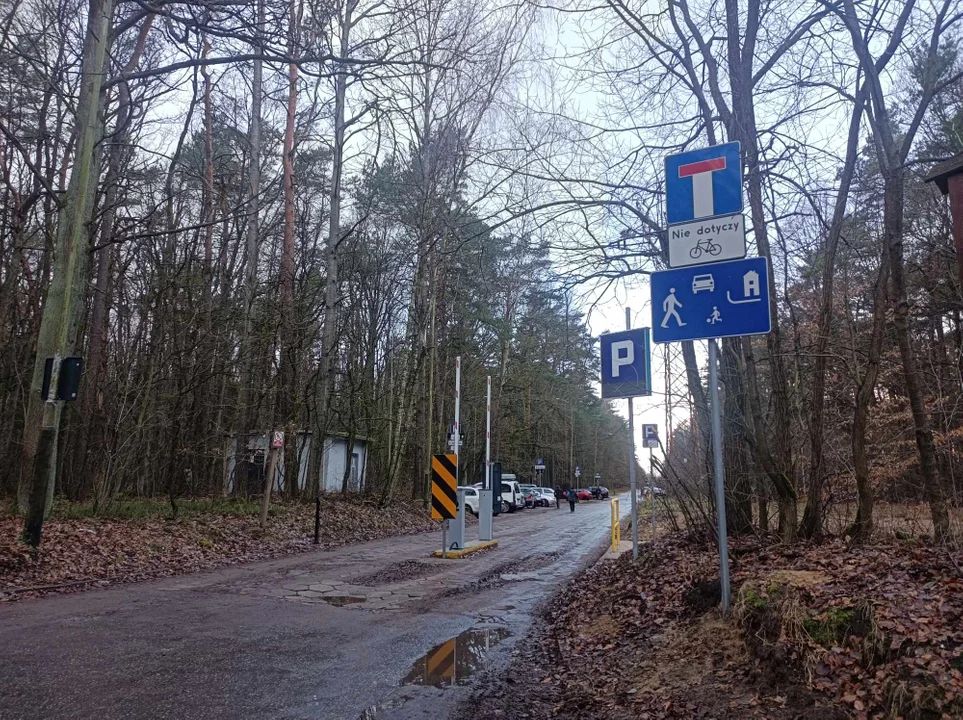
(572, 499)
(558, 498)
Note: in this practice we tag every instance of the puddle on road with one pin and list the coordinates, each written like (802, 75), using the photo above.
(342, 600)
(456, 660)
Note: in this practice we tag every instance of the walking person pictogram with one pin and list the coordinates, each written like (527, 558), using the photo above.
(669, 305)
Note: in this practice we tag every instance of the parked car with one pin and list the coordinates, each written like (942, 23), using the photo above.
(547, 495)
(512, 496)
(507, 495)
(529, 491)
(583, 494)
(472, 499)
(653, 491)
(599, 492)
(540, 498)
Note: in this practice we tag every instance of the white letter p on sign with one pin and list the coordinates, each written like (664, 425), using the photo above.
(623, 353)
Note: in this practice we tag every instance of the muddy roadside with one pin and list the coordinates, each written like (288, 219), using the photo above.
(816, 632)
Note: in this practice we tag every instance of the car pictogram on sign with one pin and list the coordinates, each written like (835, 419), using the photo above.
(703, 282)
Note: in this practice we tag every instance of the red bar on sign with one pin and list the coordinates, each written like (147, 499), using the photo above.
(697, 168)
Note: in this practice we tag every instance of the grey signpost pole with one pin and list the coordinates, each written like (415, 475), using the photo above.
(720, 479)
(652, 488)
(632, 489)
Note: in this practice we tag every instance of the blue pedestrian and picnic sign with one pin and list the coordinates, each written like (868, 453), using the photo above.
(712, 301)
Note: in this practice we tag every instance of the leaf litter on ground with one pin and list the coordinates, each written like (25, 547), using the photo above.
(817, 632)
(82, 552)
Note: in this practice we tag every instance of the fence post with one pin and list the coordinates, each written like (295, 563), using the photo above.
(317, 520)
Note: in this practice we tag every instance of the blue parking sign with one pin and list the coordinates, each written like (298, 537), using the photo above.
(650, 436)
(724, 299)
(626, 370)
(703, 183)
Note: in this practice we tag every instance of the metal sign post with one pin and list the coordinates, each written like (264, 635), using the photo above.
(720, 478)
(650, 439)
(457, 413)
(652, 489)
(632, 481)
(627, 373)
(444, 494)
(703, 299)
(485, 501)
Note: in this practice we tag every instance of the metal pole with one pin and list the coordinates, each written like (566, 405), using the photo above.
(720, 478)
(444, 533)
(652, 488)
(632, 489)
(488, 435)
(457, 413)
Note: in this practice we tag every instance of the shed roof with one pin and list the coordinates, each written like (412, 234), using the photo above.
(941, 172)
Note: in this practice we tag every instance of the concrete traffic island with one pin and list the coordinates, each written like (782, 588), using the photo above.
(471, 547)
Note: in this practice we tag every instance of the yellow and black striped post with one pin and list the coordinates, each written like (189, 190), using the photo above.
(444, 495)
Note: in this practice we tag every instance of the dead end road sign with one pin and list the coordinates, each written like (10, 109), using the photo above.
(444, 495)
(703, 192)
(702, 184)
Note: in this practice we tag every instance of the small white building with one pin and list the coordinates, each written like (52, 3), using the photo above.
(335, 458)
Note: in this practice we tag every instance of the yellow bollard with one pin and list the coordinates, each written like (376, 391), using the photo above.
(616, 525)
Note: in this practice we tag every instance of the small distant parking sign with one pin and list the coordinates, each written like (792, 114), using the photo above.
(650, 436)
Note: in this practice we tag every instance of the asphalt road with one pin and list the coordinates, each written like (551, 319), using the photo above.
(343, 634)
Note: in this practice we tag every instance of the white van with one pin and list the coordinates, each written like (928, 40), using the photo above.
(512, 493)
(512, 496)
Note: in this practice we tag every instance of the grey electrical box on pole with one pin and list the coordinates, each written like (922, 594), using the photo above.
(485, 512)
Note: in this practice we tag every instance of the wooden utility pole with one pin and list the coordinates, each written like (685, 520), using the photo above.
(65, 297)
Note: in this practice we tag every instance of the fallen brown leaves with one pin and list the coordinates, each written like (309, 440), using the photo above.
(868, 632)
(898, 611)
(81, 553)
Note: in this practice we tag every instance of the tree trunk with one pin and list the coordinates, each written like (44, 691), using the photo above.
(330, 327)
(893, 237)
(287, 399)
(812, 522)
(735, 450)
(247, 356)
(777, 456)
(863, 528)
